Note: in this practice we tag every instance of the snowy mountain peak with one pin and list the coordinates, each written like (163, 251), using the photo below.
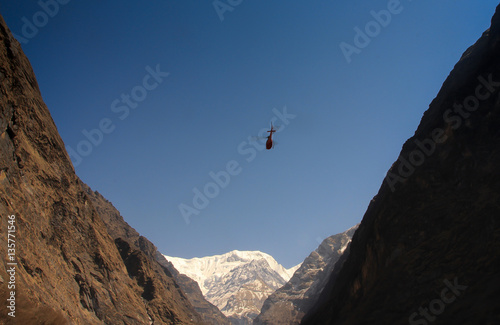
(237, 282)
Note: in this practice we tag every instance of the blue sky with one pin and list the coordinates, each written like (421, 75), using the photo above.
(214, 84)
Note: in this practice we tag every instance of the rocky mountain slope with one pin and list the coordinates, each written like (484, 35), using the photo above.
(237, 282)
(428, 248)
(288, 304)
(124, 234)
(69, 269)
(209, 312)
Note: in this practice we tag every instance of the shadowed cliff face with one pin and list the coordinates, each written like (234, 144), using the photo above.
(428, 248)
(69, 269)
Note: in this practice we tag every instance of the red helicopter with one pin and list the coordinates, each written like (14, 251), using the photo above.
(269, 142)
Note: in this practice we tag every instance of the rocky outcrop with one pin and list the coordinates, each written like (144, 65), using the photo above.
(291, 302)
(138, 250)
(69, 269)
(210, 313)
(428, 248)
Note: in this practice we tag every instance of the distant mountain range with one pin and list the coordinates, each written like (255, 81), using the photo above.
(237, 282)
(250, 287)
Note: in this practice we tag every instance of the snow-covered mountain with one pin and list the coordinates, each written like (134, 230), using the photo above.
(237, 282)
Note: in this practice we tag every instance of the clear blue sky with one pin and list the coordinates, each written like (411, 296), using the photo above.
(225, 78)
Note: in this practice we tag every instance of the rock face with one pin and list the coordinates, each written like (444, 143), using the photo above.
(69, 270)
(209, 312)
(428, 248)
(291, 302)
(129, 241)
(237, 282)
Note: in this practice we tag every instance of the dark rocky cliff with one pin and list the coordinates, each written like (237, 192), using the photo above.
(428, 248)
(69, 270)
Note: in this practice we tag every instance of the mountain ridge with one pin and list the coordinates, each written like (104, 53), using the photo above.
(236, 282)
(209, 263)
(128, 238)
(69, 269)
(288, 304)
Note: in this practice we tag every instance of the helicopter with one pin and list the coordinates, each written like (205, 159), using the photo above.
(269, 142)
